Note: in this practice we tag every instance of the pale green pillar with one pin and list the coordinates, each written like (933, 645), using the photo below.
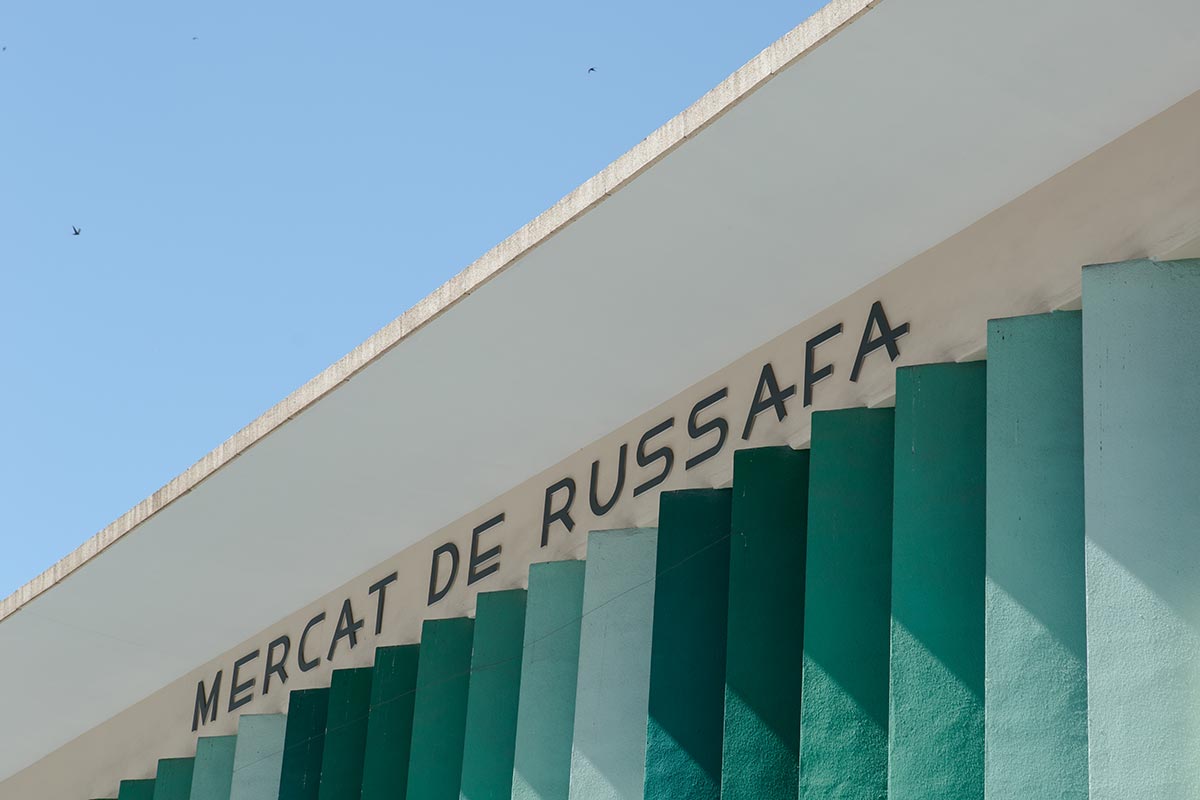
(258, 757)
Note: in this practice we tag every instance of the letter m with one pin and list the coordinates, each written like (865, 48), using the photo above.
(206, 704)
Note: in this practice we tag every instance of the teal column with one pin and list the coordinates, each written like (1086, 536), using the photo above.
(390, 725)
(847, 607)
(303, 744)
(1036, 683)
(345, 734)
(258, 758)
(549, 668)
(766, 623)
(608, 748)
(440, 710)
(687, 659)
(491, 731)
(136, 790)
(1141, 392)
(212, 771)
(935, 741)
(173, 781)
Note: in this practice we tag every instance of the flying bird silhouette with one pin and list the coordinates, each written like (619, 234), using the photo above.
(591, 70)
(76, 231)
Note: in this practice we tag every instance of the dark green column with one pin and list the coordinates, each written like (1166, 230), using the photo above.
(491, 733)
(935, 748)
(766, 624)
(304, 744)
(345, 734)
(847, 609)
(212, 772)
(136, 790)
(173, 781)
(390, 726)
(440, 709)
(687, 658)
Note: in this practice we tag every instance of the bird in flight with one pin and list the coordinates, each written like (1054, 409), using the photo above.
(194, 38)
(591, 70)
(75, 230)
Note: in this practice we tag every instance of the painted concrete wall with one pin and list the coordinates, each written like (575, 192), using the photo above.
(389, 728)
(212, 772)
(1141, 390)
(173, 781)
(549, 671)
(142, 789)
(1036, 674)
(258, 757)
(304, 745)
(767, 541)
(440, 709)
(345, 734)
(608, 748)
(847, 609)
(935, 735)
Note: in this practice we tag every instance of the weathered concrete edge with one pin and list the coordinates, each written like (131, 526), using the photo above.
(801, 40)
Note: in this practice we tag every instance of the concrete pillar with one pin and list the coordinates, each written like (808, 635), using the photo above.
(1141, 393)
(847, 608)
(608, 748)
(491, 733)
(761, 751)
(212, 772)
(136, 790)
(173, 781)
(1036, 669)
(303, 744)
(687, 659)
(935, 736)
(389, 729)
(345, 734)
(549, 668)
(258, 757)
(440, 709)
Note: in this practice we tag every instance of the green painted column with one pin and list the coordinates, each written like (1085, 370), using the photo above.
(1036, 680)
(212, 772)
(390, 726)
(136, 790)
(345, 734)
(258, 757)
(440, 709)
(847, 609)
(935, 741)
(303, 744)
(766, 624)
(1141, 392)
(491, 732)
(687, 659)
(608, 748)
(549, 668)
(173, 781)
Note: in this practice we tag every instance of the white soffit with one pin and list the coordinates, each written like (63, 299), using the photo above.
(751, 211)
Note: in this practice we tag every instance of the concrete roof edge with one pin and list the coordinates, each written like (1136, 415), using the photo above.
(797, 43)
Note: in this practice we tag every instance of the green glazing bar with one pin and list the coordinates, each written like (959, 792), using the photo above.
(173, 781)
(440, 709)
(608, 747)
(258, 758)
(935, 741)
(390, 725)
(687, 660)
(847, 610)
(136, 790)
(212, 772)
(345, 734)
(766, 621)
(491, 733)
(549, 669)
(304, 744)
(1141, 392)
(1036, 684)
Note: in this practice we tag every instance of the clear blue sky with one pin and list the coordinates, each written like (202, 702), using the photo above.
(261, 186)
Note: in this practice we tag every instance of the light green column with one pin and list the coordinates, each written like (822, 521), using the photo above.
(1141, 392)
(212, 772)
(390, 727)
(303, 744)
(608, 748)
(173, 781)
(935, 736)
(549, 668)
(1036, 687)
(687, 659)
(769, 530)
(258, 758)
(136, 790)
(491, 732)
(847, 607)
(440, 710)
(345, 734)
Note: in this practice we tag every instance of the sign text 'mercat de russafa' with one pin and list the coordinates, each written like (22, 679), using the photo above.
(263, 668)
